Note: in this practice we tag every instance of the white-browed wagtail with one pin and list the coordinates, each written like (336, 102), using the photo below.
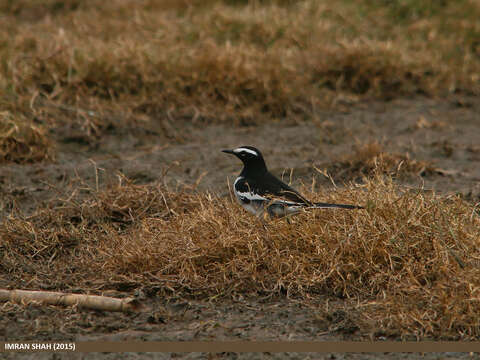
(259, 191)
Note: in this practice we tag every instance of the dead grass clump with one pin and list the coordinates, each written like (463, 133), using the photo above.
(75, 224)
(370, 159)
(237, 81)
(200, 81)
(129, 203)
(408, 263)
(371, 68)
(21, 141)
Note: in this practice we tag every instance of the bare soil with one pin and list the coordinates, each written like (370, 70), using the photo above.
(441, 132)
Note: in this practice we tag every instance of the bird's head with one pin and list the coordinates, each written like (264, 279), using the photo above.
(249, 155)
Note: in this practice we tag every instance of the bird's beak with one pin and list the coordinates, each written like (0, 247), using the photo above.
(228, 151)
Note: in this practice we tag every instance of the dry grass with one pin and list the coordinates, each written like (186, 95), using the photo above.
(371, 159)
(21, 141)
(227, 60)
(409, 263)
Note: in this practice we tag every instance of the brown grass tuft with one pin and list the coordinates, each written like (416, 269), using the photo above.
(21, 141)
(372, 68)
(408, 263)
(370, 159)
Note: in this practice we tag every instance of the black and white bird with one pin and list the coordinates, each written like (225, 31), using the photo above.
(260, 192)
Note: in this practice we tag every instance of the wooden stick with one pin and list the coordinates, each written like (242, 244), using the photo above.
(81, 300)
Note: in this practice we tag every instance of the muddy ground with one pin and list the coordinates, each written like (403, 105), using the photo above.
(442, 132)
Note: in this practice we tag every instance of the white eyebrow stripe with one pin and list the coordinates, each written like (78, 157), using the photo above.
(237, 150)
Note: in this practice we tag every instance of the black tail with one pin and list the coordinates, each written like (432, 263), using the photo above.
(340, 206)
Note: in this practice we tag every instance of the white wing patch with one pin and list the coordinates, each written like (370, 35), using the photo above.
(258, 204)
(251, 196)
(247, 195)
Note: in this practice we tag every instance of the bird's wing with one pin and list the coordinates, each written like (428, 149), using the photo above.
(278, 190)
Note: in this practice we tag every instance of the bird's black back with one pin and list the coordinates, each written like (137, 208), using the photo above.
(266, 184)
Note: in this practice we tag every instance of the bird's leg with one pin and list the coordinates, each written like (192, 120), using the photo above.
(261, 218)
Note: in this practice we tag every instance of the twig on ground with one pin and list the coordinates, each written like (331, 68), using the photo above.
(57, 298)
